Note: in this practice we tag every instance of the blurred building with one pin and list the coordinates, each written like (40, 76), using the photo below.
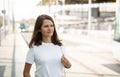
(116, 39)
(102, 16)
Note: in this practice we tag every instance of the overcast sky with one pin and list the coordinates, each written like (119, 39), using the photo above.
(24, 9)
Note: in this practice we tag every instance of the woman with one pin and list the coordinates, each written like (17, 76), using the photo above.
(45, 49)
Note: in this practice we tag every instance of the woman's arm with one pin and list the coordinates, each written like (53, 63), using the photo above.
(26, 71)
(65, 62)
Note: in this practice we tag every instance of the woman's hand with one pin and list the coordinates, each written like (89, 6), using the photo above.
(66, 63)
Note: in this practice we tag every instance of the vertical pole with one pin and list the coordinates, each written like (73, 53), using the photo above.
(89, 16)
(13, 20)
(56, 2)
(49, 6)
(8, 8)
(0, 36)
(4, 12)
(63, 3)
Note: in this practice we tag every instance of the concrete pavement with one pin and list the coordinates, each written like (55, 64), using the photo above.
(6, 56)
(91, 57)
(12, 56)
(20, 56)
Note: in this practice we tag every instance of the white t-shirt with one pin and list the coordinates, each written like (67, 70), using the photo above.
(47, 58)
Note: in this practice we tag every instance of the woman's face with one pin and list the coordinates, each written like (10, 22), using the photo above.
(47, 28)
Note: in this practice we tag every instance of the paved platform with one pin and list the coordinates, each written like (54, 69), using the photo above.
(13, 52)
(6, 56)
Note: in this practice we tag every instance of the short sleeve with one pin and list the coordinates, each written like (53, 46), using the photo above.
(63, 50)
(30, 56)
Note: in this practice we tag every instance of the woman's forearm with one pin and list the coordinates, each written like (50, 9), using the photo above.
(26, 75)
(26, 72)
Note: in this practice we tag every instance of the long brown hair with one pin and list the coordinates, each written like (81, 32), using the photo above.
(37, 36)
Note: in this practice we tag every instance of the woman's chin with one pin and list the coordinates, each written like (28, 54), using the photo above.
(49, 36)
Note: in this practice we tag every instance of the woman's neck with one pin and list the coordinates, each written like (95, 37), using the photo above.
(46, 40)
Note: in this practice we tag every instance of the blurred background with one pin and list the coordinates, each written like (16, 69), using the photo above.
(90, 30)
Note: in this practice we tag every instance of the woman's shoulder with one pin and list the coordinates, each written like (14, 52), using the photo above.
(33, 47)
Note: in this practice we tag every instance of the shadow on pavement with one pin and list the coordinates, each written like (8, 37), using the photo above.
(114, 67)
(2, 70)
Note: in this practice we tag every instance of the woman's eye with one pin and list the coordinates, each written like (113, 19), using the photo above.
(45, 25)
(51, 25)
(48, 25)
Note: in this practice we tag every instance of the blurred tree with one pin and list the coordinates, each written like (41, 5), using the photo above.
(53, 2)
(31, 22)
(76, 1)
(1, 22)
(86, 1)
(101, 1)
(47, 2)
